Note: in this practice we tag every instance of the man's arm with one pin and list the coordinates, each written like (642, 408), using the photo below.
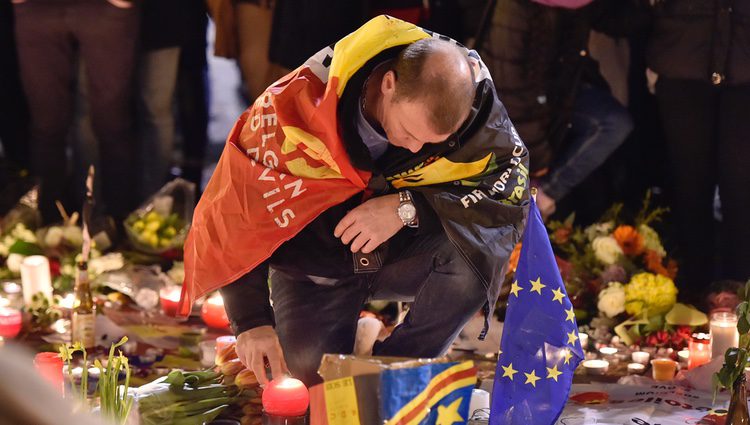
(247, 300)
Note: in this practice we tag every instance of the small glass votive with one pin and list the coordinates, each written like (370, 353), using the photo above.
(584, 338)
(699, 352)
(208, 353)
(596, 366)
(641, 357)
(724, 333)
(663, 369)
(636, 368)
(608, 351)
(683, 356)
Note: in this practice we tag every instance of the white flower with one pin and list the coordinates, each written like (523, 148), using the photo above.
(612, 299)
(606, 249)
(177, 272)
(20, 232)
(599, 229)
(73, 234)
(53, 237)
(3, 249)
(14, 262)
(106, 263)
(651, 240)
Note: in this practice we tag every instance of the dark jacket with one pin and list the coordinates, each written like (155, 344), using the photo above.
(538, 56)
(484, 243)
(707, 40)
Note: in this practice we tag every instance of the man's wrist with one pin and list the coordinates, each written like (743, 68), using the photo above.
(407, 210)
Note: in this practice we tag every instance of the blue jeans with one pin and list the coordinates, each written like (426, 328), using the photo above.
(599, 124)
(315, 316)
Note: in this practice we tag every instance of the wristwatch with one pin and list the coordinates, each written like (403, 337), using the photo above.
(406, 210)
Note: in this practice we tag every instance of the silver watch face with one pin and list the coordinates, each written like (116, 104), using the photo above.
(407, 212)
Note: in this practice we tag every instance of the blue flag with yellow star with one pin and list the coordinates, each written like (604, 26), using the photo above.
(539, 349)
(433, 394)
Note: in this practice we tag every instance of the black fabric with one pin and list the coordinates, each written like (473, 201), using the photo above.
(14, 117)
(538, 56)
(692, 39)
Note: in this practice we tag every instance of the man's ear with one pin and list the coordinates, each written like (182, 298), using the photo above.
(388, 83)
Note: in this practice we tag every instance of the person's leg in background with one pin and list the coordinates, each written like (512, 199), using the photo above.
(599, 125)
(14, 117)
(734, 181)
(108, 38)
(192, 93)
(688, 111)
(254, 20)
(46, 59)
(157, 82)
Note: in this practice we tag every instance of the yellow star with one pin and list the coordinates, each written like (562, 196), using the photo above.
(537, 285)
(558, 295)
(553, 373)
(531, 378)
(572, 337)
(568, 355)
(508, 371)
(571, 315)
(514, 288)
(448, 415)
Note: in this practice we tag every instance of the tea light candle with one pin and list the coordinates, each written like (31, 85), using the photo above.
(208, 353)
(35, 277)
(636, 368)
(10, 322)
(699, 348)
(663, 369)
(683, 355)
(596, 366)
(608, 351)
(213, 312)
(224, 340)
(640, 357)
(723, 333)
(170, 298)
(584, 338)
(50, 367)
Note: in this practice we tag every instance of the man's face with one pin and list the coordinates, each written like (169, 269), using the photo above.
(405, 121)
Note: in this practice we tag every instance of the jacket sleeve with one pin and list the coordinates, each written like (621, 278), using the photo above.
(620, 18)
(518, 72)
(247, 300)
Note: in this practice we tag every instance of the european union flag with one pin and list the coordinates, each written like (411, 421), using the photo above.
(433, 394)
(540, 348)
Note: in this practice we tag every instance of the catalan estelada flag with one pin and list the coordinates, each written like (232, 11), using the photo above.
(432, 394)
(540, 348)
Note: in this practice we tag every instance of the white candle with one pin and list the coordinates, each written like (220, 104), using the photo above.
(35, 277)
(584, 338)
(683, 355)
(723, 333)
(640, 357)
(596, 367)
(636, 368)
(608, 351)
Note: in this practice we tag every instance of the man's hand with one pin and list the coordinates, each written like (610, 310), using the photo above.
(255, 344)
(370, 224)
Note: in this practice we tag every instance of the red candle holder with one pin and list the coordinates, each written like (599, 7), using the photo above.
(10, 322)
(699, 348)
(285, 402)
(170, 299)
(213, 312)
(50, 367)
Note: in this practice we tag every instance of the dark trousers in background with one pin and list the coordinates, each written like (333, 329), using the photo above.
(13, 114)
(50, 35)
(707, 131)
(315, 316)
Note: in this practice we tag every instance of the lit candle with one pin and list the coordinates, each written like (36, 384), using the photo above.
(170, 298)
(35, 277)
(67, 301)
(224, 340)
(208, 353)
(10, 322)
(683, 355)
(595, 366)
(285, 398)
(640, 357)
(608, 351)
(636, 368)
(724, 333)
(700, 350)
(213, 312)
(663, 369)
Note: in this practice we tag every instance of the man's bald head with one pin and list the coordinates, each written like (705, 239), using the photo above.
(437, 73)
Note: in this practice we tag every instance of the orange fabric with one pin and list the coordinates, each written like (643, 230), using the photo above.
(284, 163)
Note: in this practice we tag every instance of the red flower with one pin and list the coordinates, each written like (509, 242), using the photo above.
(54, 267)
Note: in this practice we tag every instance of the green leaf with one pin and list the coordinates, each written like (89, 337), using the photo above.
(25, 248)
(743, 324)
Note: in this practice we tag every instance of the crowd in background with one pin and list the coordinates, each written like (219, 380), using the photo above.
(612, 98)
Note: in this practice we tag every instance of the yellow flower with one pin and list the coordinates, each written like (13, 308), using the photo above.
(656, 294)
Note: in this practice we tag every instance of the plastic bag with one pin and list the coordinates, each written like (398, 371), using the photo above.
(161, 224)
